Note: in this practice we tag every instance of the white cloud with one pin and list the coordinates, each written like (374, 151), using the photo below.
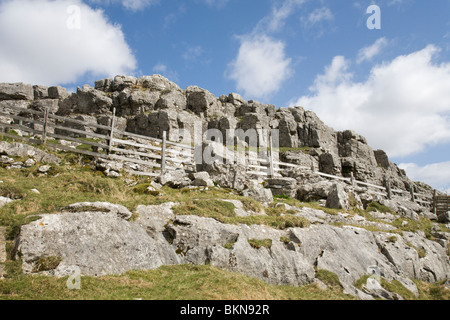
(275, 21)
(163, 70)
(402, 107)
(193, 53)
(133, 5)
(50, 42)
(367, 53)
(260, 66)
(319, 15)
(437, 174)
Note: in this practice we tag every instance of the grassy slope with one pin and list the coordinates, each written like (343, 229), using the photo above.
(74, 182)
(166, 283)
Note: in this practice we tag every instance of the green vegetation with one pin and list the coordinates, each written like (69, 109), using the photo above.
(392, 239)
(258, 244)
(375, 206)
(199, 283)
(47, 263)
(305, 150)
(285, 240)
(427, 291)
(75, 180)
(329, 278)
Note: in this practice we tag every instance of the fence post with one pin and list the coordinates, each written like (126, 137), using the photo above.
(434, 202)
(411, 187)
(272, 170)
(111, 133)
(44, 130)
(313, 167)
(387, 184)
(163, 153)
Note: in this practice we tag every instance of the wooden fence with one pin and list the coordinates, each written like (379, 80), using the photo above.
(152, 156)
(441, 204)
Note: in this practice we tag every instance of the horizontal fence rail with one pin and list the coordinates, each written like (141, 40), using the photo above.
(154, 156)
(151, 154)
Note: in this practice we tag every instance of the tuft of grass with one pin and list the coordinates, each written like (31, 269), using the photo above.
(46, 263)
(424, 224)
(392, 239)
(11, 191)
(206, 208)
(258, 244)
(329, 278)
(375, 206)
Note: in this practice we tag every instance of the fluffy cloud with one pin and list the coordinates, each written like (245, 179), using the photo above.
(367, 53)
(319, 15)
(260, 66)
(436, 174)
(402, 107)
(57, 42)
(275, 21)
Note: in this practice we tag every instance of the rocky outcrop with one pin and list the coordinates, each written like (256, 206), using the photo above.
(23, 150)
(150, 105)
(99, 239)
(16, 91)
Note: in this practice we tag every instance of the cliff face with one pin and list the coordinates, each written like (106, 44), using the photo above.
(151, 105)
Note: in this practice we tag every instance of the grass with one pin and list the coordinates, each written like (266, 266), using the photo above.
(224, 212)
(258, 244)
(329, 278)
(427, 291)
(305, 150)
(166, 283)
(75, 181)
(375, 206)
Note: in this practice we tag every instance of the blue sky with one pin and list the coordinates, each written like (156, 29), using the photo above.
(391, 85)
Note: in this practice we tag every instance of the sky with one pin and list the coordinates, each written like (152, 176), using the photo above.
(380, 68)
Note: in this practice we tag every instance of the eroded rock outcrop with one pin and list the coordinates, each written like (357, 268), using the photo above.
(99, 239)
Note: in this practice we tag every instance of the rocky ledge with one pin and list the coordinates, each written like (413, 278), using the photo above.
(99, 239)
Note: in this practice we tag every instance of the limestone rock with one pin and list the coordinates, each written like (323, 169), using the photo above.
(382, 159)
(337, 197)
(4, 201)
(202, 179)
(16, 91)
(121, 82)
(174, 179)
(58, 92)
(329, 163)
(314, 191)
(283, 186)
(227, 175)
(175, 99)
(201, 101)
(23, 150)
(97, 243)
(192, 235)
(92, 101)
(259, 194)
(157, 82)
(105, 85)
(40, 92)
(105, 207)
